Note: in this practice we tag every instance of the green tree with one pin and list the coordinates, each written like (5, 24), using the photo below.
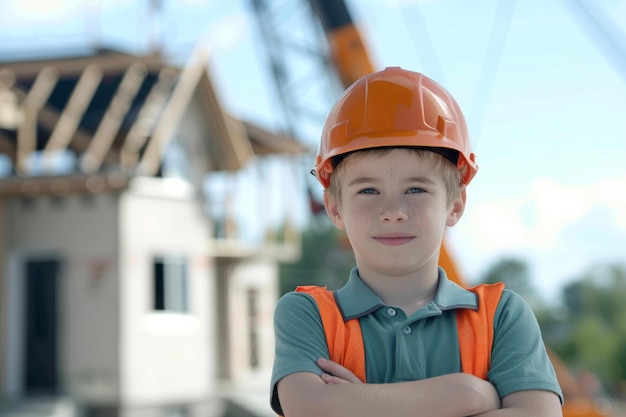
(326, 259)
(515, 273)
(594, 326)
(595, 346)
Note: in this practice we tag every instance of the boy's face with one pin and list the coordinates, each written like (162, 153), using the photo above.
(394, 209)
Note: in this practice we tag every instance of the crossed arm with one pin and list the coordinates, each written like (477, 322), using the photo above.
(338, 392)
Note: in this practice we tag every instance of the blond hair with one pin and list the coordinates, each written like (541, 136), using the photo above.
(449, 172)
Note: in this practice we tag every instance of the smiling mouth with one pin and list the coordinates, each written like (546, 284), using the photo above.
(393, 240)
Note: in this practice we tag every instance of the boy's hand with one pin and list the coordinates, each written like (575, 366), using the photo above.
(335, 373)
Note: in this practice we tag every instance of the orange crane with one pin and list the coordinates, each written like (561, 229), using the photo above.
(351, 59)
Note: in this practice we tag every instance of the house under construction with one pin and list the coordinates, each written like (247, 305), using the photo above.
(120, 294)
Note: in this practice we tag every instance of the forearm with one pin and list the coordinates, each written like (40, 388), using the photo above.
(531, 403)
(454, 395)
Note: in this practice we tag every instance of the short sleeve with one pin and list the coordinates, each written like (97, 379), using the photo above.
(299, 338)
(519, 360)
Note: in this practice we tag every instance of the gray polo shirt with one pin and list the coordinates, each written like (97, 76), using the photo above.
(424, 345)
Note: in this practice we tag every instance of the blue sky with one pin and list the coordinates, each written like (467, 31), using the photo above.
(545, 102)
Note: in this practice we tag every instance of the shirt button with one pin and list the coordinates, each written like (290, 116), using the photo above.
(407, 330)
(391, 311)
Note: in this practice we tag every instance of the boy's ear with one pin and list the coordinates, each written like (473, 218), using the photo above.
(332, 210)
(458, 207)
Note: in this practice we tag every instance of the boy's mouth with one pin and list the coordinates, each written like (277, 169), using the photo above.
(394, 239)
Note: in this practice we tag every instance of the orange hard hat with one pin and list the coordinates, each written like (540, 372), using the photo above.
(395, 108)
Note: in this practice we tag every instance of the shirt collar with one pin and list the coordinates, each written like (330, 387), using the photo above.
(356, 299)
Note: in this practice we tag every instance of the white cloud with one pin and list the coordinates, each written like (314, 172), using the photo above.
(229, 31)
(555, 207)
(498, 225)
(539, 218)
(560, 229)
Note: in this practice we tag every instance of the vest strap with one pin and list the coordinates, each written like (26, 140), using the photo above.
(475, 330)
(344, 339)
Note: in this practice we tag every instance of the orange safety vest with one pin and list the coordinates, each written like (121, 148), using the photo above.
(475, 328)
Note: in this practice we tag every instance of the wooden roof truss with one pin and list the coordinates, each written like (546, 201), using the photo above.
(115, 113)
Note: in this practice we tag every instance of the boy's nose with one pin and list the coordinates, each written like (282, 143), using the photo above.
(393, 212)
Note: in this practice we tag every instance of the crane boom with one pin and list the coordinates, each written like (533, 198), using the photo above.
(347, 49)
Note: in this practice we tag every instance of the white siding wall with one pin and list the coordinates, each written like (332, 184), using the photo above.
(165, 357)
(250, 387)
(259, 275)
(114, 348)
(82, 233)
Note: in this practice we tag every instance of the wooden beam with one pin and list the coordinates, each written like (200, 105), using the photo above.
(34, 101)
(265, 142)
(58, 186)
(179, 100)
(49, 117)
(39, 93)
(146, 119)
(74, 110)
(109, 62)
(7, 77)
(26, 139)
(112, 119)
(229, 141)
(10, 113)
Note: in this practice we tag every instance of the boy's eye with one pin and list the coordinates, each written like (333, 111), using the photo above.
(367, 191)
(415, 190)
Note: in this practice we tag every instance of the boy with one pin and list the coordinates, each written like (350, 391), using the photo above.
(395, 160)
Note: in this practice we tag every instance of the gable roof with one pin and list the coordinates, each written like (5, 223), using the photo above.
(116, 113)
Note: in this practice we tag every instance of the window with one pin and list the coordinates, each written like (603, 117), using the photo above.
(170, 284)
